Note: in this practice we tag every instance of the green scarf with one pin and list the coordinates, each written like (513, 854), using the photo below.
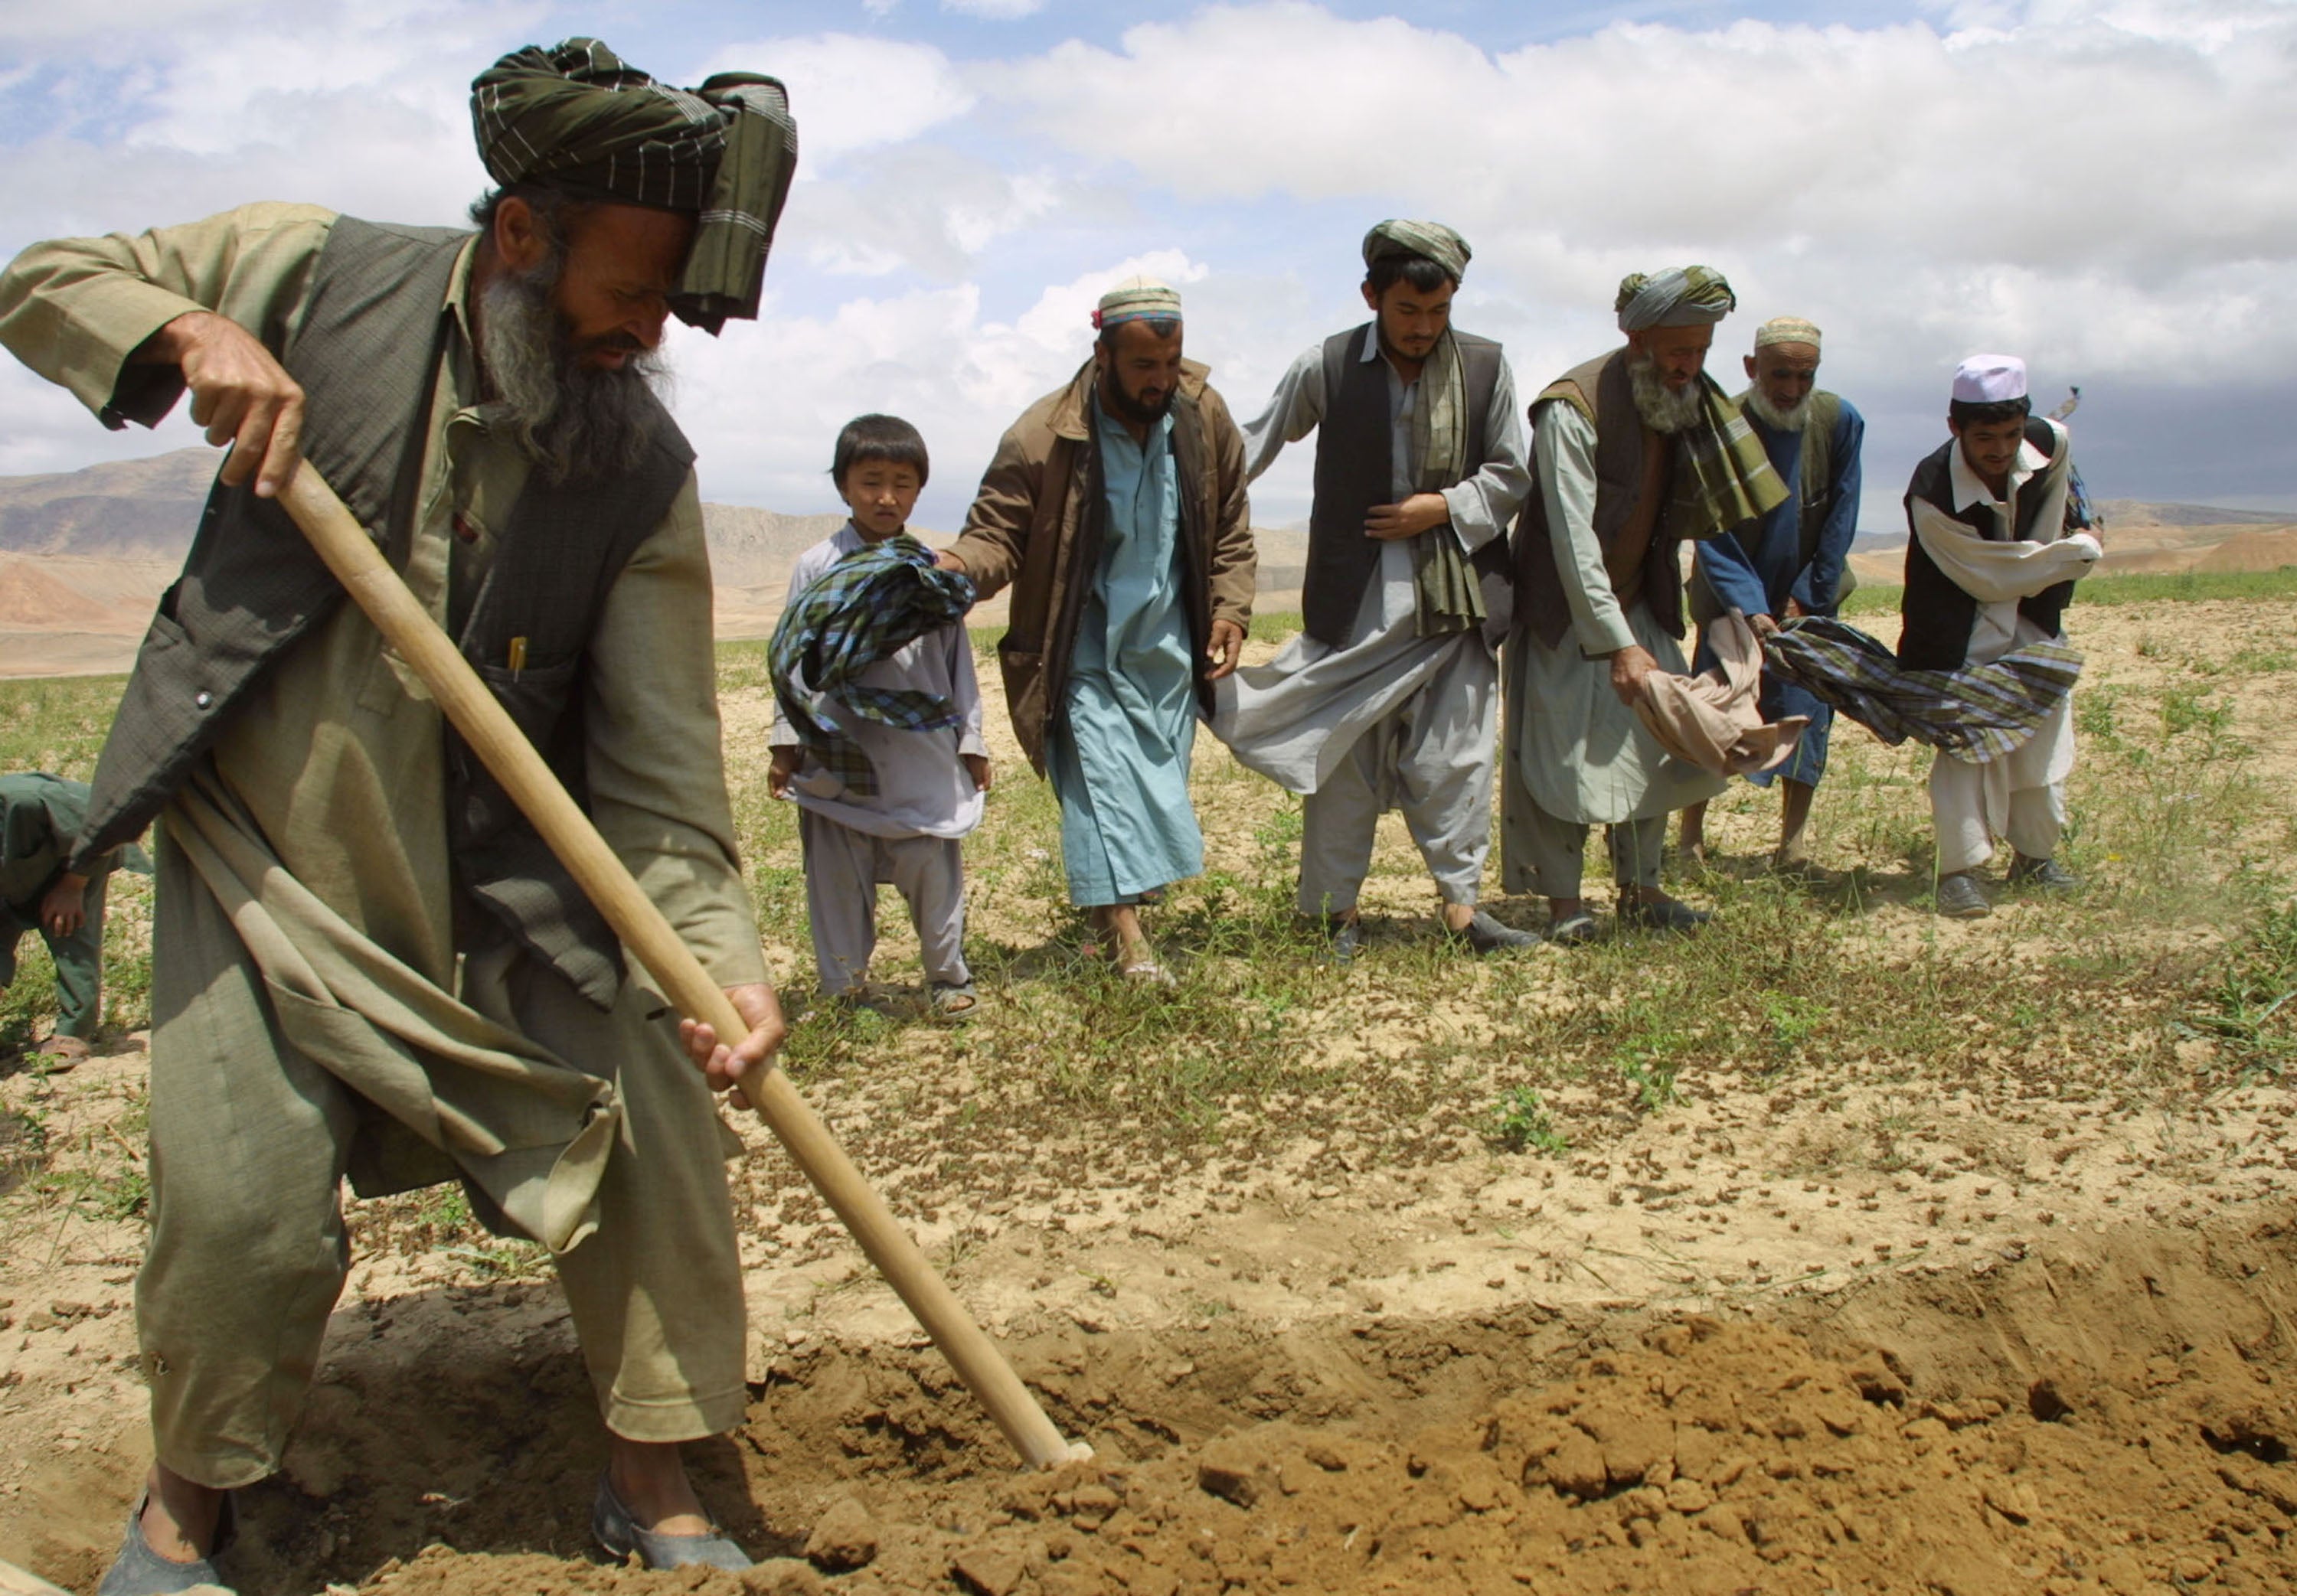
(1723, 475)
(1449, 599)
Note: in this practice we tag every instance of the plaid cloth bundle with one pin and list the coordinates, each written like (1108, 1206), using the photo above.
(1978, 713)
(860, 611)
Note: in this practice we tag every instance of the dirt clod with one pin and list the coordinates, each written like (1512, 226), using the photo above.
(782, 1576)
(844, 1537)
(988, 1572)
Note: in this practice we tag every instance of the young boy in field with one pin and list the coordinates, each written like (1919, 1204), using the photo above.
(928, 784)
(2000, 534)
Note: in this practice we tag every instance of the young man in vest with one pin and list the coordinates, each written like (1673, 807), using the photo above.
(1115, 509)
(363, 961)
(1790, 562)
(1388, 698)
(1632, 453)
(2000, 536)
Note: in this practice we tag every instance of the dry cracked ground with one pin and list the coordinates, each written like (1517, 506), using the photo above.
(1840, 1250)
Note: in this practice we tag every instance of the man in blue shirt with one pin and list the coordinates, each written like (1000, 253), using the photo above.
(1790, 562)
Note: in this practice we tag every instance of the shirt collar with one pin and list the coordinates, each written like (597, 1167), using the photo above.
(1370, 344)
(1111, 427)
(1970, 489)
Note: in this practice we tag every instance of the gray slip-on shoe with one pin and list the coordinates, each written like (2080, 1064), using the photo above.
(1573, 931)
(2042, 874)
(618, 1532)
(1959, 897)
(1341, 934)
(1669, 915)
(137, 1570)
(1486, 936)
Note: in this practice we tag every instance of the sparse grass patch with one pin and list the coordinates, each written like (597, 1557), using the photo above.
(2246, 1007)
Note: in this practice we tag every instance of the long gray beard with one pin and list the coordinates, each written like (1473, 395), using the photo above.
(1779, 421)
(1663, 409)
(576, 423)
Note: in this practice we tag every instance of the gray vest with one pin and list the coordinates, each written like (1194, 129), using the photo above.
(1355, 472)
(367, 353)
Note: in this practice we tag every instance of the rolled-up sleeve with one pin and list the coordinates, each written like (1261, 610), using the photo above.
(75, 311)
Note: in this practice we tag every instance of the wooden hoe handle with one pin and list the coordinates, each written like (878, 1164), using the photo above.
(351, 555)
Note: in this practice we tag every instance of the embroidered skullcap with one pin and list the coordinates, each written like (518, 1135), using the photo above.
(577, 118)
(1786, 329)
(1989, 378)
(1685, 296)
(1430, 241)
(1138, 299)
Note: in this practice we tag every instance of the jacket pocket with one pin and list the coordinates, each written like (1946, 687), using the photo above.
(535, 697)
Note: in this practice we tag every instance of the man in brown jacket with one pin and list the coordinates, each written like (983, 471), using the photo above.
(1115, 509)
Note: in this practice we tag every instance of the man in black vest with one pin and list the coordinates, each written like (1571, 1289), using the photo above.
(2000, 534)
(363, 961)
(1389, 698)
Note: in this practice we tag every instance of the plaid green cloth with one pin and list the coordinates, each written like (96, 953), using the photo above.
(857, 611)
(1978, 713)
(1723, 474)
(1431, 241)
(577, 117)
(1449, 598)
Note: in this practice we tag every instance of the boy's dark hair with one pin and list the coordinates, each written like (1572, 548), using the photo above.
(878, 438)
(1423, 274)
(1162, 327)
(1984, 413)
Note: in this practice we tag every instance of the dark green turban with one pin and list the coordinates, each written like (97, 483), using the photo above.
(575, 118)
(1431, 241)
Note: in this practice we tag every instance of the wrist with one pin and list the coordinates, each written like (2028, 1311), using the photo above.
(174, 340)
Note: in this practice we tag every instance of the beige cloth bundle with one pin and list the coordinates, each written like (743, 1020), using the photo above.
(1715, 720)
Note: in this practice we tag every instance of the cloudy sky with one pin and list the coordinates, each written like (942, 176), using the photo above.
(2104, 188)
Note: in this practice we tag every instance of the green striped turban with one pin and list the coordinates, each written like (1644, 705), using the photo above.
(576, 118)
(1685, 296)
(1431, 241)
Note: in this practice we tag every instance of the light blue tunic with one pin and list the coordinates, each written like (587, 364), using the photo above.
(1118, 754)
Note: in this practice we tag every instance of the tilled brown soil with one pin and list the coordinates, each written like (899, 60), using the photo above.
(2109, 1413)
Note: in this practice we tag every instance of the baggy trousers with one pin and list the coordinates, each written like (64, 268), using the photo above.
(1430, 757)
(843, 869)
(250, 1138)
(78, 958)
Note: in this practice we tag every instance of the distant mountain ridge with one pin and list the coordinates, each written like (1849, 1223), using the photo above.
(84, 555)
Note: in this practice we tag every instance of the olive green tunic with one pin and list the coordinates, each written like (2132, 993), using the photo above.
(310, 1019)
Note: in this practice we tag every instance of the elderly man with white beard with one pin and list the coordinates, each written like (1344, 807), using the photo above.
(1632, 453)
(1790, 562)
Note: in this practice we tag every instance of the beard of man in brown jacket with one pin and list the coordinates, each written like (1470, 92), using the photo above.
(1116, 510)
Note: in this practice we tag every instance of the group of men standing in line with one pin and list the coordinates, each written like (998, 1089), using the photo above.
(367, 967)
(1423, 616)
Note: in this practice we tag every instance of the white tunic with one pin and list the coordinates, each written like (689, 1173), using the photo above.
(1997, 575)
